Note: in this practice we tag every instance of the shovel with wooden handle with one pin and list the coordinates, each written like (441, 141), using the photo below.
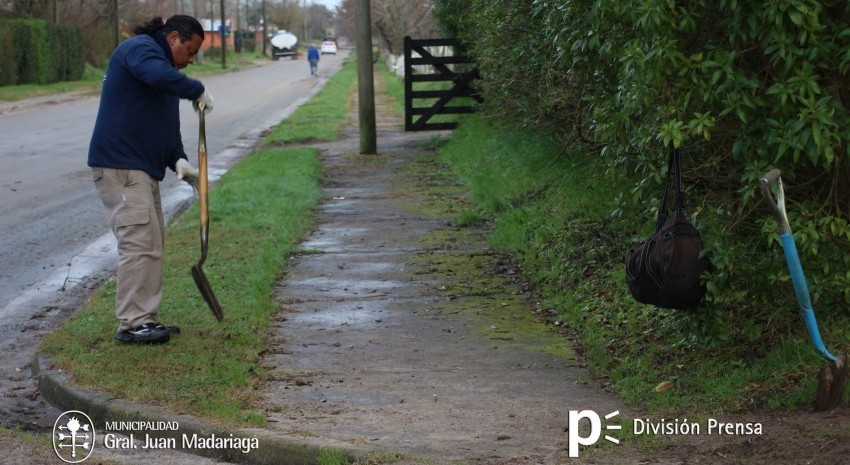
(203, 191)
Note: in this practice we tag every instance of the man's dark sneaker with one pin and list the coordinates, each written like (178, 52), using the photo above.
(147, 333)
(170, 328)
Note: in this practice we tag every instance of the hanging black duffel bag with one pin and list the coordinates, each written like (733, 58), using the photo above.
(665, 269)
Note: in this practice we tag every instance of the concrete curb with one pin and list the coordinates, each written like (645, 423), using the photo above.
(55, 388)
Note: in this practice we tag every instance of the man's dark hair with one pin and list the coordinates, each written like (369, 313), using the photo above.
(186, 26)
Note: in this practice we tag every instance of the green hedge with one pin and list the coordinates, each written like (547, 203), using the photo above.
(38, 52)
(742, 86)
(8, 60)
(72, 44)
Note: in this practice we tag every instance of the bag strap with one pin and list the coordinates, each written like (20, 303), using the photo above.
(674, 168)
(680, 195)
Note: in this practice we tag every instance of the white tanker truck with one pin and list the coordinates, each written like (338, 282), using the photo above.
(283, 44)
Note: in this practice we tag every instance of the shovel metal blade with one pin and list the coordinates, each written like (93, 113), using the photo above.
(207, 292)
(831, 381)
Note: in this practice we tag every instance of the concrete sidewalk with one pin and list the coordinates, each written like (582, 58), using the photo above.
(398, 332)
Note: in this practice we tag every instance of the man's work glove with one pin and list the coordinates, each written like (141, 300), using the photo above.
(207, 99)
(188, 173)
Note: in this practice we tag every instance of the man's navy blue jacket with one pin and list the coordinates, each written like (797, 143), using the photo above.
(138, 122)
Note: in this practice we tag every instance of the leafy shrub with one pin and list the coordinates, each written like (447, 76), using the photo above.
(71, 60)
(743, 87)
(8, 63)
(41, 52)
(38, 52)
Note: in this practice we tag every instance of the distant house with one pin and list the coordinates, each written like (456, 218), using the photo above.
(213, 35)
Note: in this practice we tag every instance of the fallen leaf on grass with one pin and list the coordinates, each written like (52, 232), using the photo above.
(664, 386)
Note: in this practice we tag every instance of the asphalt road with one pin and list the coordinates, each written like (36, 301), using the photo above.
(55, 245)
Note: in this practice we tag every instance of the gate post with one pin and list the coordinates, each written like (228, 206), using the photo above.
(408, 84)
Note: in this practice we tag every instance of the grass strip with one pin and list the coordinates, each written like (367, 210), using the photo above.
(314, 121)
(259, 212)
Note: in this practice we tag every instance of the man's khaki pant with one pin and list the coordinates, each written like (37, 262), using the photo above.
(134, 209)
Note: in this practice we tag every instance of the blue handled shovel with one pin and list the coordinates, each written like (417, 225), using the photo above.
(833, 376)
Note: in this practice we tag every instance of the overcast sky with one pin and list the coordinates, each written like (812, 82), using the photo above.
(331, 4)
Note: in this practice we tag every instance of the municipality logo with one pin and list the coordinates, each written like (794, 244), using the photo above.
(73, 436)
(576, 438)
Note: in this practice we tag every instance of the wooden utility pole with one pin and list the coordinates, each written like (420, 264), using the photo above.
(223, 39)
(212, 24)
(265, 30)
(365, 77)
(304, 11)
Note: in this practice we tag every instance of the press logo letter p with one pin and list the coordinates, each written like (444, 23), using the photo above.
(575, 437)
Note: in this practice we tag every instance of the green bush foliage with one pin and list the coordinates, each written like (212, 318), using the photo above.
(743, 87)
(71, 63)
(38, 52)
(20, 45)
(8, 63)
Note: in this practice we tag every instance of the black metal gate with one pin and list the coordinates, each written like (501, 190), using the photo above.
(462, 84)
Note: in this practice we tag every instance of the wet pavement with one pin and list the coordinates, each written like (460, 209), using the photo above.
(397, 333)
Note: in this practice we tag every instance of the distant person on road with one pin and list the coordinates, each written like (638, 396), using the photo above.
(136, 137)
(313, 58)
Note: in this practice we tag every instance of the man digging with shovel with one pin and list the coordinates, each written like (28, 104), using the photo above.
(136, 136)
